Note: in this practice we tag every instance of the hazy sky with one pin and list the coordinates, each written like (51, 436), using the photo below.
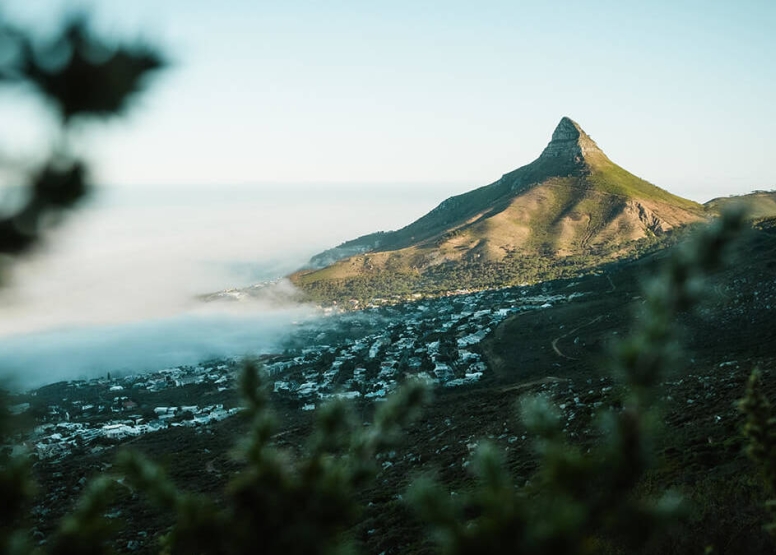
(679, 92)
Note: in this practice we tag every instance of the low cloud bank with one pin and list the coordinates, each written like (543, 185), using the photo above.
(120, 286)
(35, 359)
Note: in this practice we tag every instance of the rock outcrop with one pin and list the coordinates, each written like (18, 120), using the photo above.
(570, 143)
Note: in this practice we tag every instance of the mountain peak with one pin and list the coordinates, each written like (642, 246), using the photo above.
(564, 213)
(570, 142)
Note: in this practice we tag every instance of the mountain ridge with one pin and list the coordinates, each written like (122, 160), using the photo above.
(571, 202)
(758, 204)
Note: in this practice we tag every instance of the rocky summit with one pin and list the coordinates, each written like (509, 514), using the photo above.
(570, 143)
(568, 211)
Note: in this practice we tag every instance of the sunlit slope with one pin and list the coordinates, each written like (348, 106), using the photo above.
(570, 207)
(758, 205)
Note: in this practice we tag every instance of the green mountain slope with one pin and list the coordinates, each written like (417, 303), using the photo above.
(569, 210)
(759, 204)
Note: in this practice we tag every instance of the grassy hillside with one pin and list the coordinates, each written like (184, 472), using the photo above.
(610, 178)
(556, 228)
(567, 212)
(760, 204)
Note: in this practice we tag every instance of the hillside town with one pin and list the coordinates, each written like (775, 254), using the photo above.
(357, 354)
(369, 353)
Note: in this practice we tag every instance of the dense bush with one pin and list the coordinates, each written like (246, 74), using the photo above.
(79, 76)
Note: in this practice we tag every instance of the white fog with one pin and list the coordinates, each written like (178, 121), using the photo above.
(114, 288)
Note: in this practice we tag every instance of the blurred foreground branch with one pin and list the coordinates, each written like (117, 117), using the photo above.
(282, 503)
(760, 431)
(79, 75)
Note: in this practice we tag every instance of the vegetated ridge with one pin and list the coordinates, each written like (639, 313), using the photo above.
(569, 210)
(759, 205)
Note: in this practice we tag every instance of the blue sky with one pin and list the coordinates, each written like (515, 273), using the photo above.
(679, 92)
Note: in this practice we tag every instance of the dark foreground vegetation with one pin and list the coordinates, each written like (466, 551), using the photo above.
(567, 447)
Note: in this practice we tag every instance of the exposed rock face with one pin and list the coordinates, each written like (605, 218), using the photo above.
(570, 143)
(650, 220)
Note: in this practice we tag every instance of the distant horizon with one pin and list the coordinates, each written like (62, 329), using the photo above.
(429, 187)
(451, 188)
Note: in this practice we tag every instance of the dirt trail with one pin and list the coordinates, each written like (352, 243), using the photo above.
(614, 287)
(593, 321)
(555, 341)
(533, 383)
